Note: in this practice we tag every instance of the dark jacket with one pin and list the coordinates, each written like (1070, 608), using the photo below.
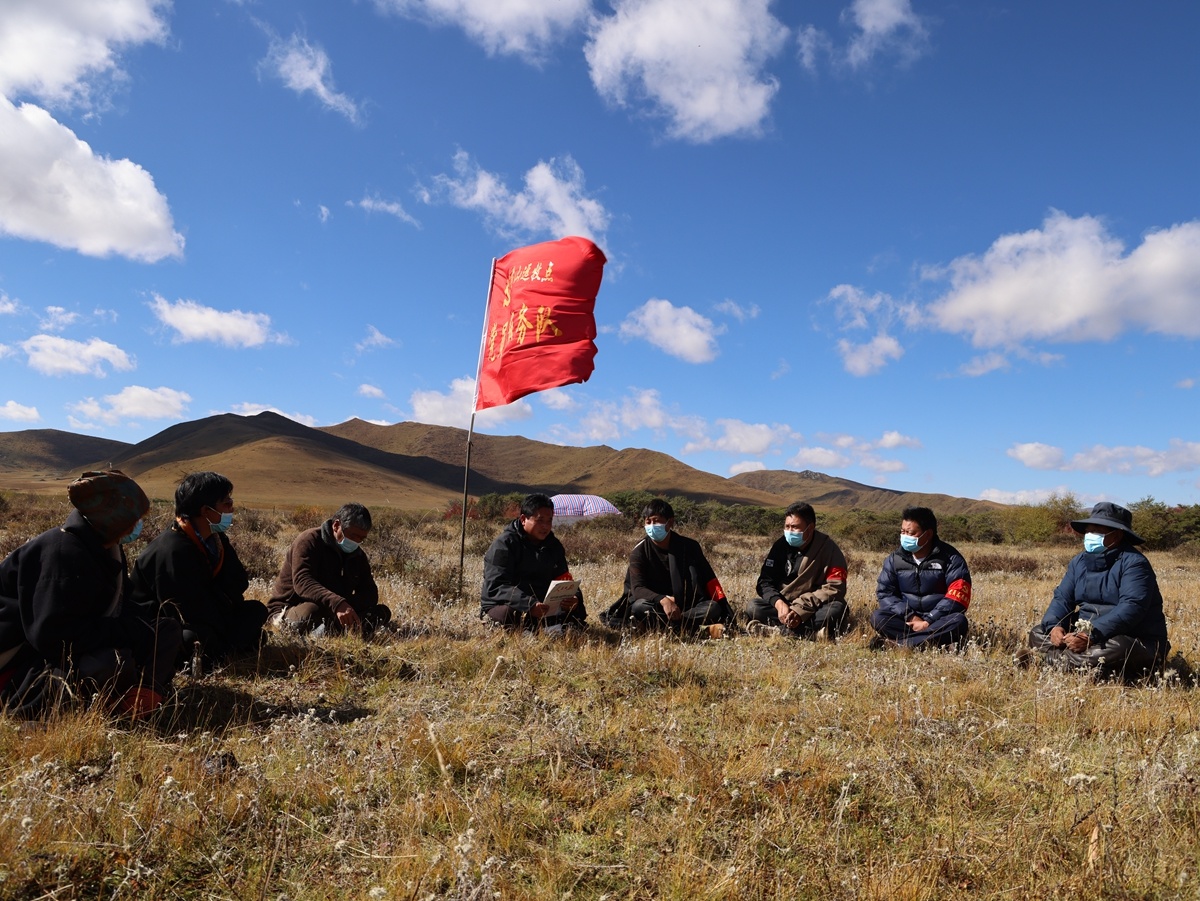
(57, 593)
(1116, 591)
(940, 585)
(681, 571)
(175, 574)
(806, 577)
(518, 572)
(316, 570)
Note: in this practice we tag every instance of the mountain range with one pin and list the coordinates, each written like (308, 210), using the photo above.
(275, 461)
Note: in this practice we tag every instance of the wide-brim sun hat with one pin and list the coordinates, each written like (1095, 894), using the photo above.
(1112, 515)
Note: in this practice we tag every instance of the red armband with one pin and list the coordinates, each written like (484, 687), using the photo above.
(565, 577)
(714, 589)
(835, 574)
(960, 592)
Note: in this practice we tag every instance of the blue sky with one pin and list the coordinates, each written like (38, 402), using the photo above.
(931, 245)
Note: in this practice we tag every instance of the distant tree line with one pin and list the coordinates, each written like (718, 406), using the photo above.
(1164, 527)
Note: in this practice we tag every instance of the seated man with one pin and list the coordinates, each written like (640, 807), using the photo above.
(924, 588)
(669, 582)
(519, 567)
(65, 628)
(326, 578)
(802, 584)
(1107, 613)
(192, 572)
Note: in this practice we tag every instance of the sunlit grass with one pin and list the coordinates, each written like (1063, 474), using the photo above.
(456, 761)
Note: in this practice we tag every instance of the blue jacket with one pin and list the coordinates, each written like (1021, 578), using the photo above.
(939, 586)
(1116, 591)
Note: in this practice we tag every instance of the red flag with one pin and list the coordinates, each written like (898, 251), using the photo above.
(540, 329)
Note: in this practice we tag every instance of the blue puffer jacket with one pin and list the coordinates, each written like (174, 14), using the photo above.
(940, 585)
(1116, 591)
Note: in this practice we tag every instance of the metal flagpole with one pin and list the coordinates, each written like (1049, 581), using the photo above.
(462, 539)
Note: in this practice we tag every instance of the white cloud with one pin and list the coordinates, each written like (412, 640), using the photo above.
(557, 399)
(896, 439)
(1072, 281)
(5, 351)
(525, 28)
(8, 306)
(54, 188)
(1179, 456)
(371, 391)
(374, 341)
(678, 331)
(739, 437)
(305, 68)
(52, 355)
(984, 364)
(57, 319)
(195, 322)
(1036, 455)
(1186, 384)
(641, 409)
(699, 63)
(1029, 497)
(737, 311)
(881, 466)
(18, 412)
(747, 466)
(865, 359)
(553, 201)
(878, 27)
(884, 25)
(251, 409)
(454, 407)
(55, 49)
(818, 458)
(377, 205)
(322, 212)
(133, 403)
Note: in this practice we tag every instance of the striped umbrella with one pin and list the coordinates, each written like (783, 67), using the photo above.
(574, 507)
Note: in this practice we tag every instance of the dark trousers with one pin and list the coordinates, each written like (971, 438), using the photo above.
(146, 659)
(950, 629)
(832, 616)
(514, 619)
(650, 615)
(306, 616)
(239, 633)
(1122, 656)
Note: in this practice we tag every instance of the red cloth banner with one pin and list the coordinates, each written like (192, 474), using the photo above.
(541, 326)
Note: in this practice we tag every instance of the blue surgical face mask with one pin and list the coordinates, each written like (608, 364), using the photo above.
(348, 546)
(223, 524)
(133, 536)
(1093, 543)
(656, 531)
(795, 539)
(910, 542)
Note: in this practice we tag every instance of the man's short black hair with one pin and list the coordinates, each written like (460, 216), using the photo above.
(535, 502)
(356, 516)
(801, 510)
(922, 516)
(658, 507)
(199, 490)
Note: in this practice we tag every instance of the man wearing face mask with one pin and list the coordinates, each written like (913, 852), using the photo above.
(802, 584)
(669, 583)
(924, 588)
(1107, 613)
(192, 572)
(326, 579)
(66, 630)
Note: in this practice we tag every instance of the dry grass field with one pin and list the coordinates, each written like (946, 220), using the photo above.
(454, 761)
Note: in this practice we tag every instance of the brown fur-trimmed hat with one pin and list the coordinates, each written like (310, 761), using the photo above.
(110, 501)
